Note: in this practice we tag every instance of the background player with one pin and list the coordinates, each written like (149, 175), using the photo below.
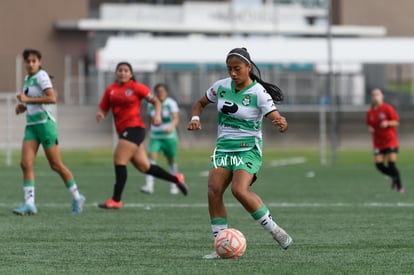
(36, 99)
(163, 138)
(123, 98)
(382, 121)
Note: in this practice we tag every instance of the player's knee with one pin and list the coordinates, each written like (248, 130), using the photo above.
(25, 165)
(237, 192)
(57, 167)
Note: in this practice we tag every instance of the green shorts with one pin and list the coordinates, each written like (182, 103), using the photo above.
(45, 133)
(250, 161)
(167, 145)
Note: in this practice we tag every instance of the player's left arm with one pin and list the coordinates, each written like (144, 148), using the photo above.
(393, 119)
(278, 120)
(156, 120)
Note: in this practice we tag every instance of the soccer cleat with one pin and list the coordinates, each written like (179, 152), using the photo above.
(77, 205)
(111, 204)
(181, 184)
(281, 237)
(174, 189)
(147, 190)
(400, 189)
(25, 209)
(211, 256)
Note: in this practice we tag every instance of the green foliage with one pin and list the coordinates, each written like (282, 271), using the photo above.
(344, 219)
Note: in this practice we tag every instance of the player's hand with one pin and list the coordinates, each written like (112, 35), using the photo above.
(20, 108)
(384, 124)
(99, 116)
(156, 121)
(22, 98)
(194, 125)
(281, 123)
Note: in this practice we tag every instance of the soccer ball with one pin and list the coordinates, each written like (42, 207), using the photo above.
(230, 243)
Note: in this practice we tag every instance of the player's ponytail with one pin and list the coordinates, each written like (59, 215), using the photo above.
(274, 91)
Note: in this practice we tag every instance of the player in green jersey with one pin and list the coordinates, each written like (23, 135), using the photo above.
(36, 99)
(242, 100)
(163, 137)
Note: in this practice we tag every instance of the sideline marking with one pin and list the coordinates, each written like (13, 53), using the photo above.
(204, 205)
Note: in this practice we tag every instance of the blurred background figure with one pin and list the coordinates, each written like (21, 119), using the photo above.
(163, 138)
(123, 97)
(382, 121)
(36, 100)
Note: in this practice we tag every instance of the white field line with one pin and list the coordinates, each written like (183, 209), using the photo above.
(288, 161)
(204, 205)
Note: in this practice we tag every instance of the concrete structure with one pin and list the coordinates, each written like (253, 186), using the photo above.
(31, 24)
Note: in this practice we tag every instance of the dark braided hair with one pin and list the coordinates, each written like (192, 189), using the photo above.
(274, 91)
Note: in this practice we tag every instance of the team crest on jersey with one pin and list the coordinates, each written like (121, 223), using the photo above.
(246, 100)
(128, 92)
(381, 116)
(213, 92)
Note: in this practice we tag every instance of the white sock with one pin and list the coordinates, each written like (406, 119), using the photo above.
(173, 170)
(73, 190)
(267, 222)
(216, 228)
(29, 195)
(149, 181)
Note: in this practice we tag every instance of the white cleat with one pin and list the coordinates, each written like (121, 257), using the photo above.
(145, 189)
(281, 237)
(211, 256)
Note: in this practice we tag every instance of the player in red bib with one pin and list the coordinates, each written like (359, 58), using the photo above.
(382, 121)
(123, 98)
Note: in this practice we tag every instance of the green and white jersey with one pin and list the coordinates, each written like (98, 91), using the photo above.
(34, 86)
(240, 114)
(168, 107)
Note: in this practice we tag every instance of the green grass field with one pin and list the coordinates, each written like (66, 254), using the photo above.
(344, 220)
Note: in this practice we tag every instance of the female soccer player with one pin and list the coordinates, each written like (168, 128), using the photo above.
(36, 99)
(163, 138)
(124, 97)
(242, 100)
(382, 121)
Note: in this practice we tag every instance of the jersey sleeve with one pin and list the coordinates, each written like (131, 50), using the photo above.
(265, 102)
(141, 90)
(392, 114)
(105, 105)
(174, 106)
(211, 93)
(44, 80)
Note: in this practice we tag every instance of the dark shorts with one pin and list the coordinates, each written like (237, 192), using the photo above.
(133, 134)
(386, 151)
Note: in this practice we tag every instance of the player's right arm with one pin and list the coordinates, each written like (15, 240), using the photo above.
(196, 111)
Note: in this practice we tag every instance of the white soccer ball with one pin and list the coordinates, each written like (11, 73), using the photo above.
(230, 243)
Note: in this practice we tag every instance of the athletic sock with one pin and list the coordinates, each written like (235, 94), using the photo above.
(173, 170)
(263, 217)
(385, 170)
(149, 179)
(218, 224)
(29, 192)
(120, 180)
(158, 172)
(394, 173)
(73, 189)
